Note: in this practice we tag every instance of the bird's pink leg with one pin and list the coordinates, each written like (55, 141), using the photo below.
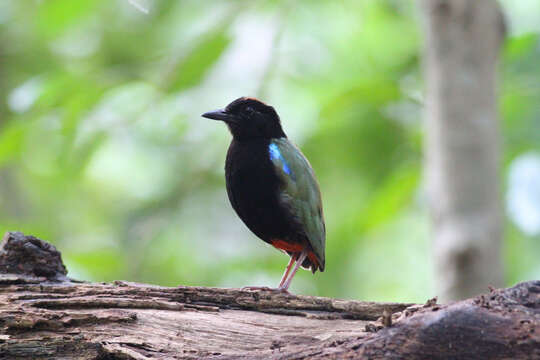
(283, 279)
(299, 262)
(287, 270)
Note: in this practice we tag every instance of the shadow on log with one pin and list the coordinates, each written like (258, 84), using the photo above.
(46, 315)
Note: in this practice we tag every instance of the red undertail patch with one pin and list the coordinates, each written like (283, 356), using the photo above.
(295, 248)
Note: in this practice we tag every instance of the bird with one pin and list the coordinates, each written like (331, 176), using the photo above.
(272, 186)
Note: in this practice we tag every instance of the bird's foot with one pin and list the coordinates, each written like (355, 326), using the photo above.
(265, 288)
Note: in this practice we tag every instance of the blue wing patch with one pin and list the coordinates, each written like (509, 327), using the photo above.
(275, 154)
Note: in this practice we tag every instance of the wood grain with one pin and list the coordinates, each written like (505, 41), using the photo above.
(55, 317)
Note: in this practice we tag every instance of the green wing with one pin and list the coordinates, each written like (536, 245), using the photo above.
(300, 192)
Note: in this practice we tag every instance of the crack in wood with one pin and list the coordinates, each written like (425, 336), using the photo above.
(43, 319)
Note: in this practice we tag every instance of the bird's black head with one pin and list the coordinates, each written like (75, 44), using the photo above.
(249, 118)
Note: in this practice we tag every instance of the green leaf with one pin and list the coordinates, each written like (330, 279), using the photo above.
(11, 138)
(374, 91)
(55, 16)
(390, 197)
(517, 47)
(99, 264)
(192, 68)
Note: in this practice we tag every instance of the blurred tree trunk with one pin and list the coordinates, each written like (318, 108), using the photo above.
(463, 38)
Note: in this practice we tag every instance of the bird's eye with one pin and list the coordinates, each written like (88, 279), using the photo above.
(250, 110)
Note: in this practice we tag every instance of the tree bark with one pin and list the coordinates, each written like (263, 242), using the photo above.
(46, 315)
(463, 38)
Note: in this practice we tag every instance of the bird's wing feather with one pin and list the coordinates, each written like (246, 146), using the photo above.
(300, 192)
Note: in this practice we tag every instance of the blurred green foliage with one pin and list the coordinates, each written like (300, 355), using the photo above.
(104, 153)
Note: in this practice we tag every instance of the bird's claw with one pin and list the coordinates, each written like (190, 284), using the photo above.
(265, 288)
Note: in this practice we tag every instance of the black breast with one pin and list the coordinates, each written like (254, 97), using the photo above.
(253, 189)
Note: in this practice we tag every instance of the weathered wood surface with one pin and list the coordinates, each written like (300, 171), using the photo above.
(47, 315)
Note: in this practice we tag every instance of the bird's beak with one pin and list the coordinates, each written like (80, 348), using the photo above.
(219, 115)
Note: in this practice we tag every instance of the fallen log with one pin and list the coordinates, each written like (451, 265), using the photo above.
(46, 315)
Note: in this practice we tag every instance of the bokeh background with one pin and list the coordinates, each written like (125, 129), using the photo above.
(103, 151)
